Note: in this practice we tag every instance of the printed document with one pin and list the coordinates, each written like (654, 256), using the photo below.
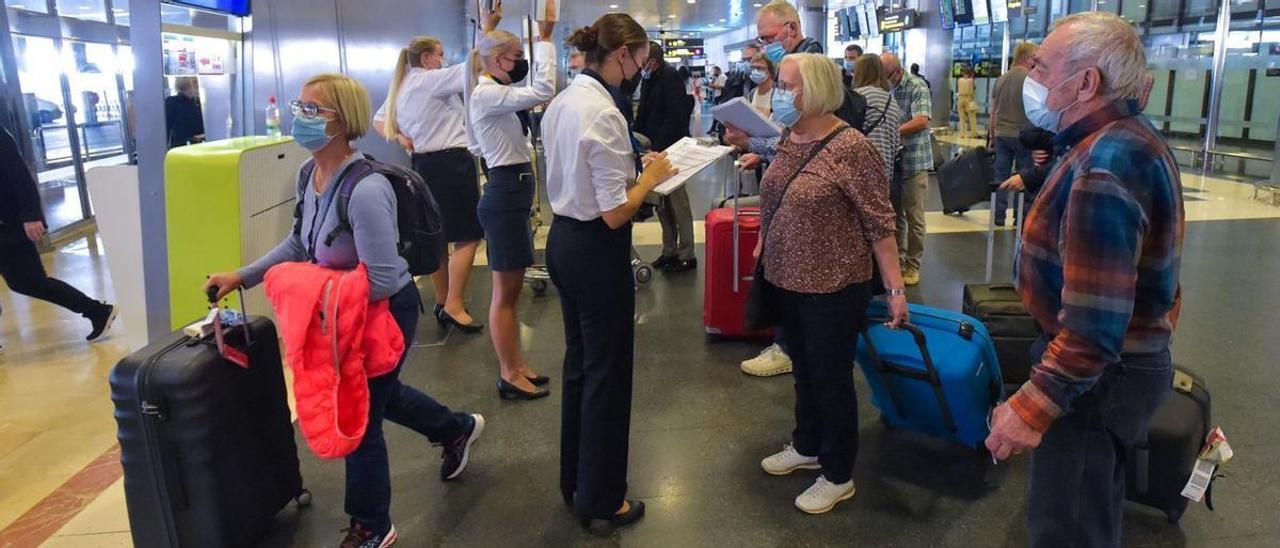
(689, 157)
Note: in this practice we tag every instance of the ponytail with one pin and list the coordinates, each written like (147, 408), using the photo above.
(410, 56)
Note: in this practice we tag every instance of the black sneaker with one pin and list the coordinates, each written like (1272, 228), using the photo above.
(101, 317)
(359, 537)
(682, 266)
(458, 452)
(663, 262)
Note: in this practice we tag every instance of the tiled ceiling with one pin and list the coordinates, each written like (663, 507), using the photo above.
(709, 16)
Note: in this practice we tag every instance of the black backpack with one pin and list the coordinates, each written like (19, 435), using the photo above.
(853, 110)
(422, 239)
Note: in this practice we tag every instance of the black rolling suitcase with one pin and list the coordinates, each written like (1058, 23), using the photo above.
(207, 445)
(1157, 468)
(1000, 308)
(966, 180)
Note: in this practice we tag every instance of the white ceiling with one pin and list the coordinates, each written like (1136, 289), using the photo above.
(709, 16)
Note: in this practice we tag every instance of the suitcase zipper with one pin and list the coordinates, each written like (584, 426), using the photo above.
(156, 409)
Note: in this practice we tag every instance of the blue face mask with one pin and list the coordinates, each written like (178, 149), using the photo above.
(784, 107)
(848, 65)
(309, 133)
(775, 52)
(758, 76)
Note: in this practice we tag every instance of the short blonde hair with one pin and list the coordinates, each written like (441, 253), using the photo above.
(822, 86)
(348, 97)
(1108, 42)
(782, 10)
(1023, 52)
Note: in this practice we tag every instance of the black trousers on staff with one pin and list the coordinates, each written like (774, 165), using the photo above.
(591, 267)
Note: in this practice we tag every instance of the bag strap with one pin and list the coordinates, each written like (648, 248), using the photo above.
(304, 177)
(351, 176)
(884, 112)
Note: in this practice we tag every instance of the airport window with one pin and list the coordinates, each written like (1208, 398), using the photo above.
(90, 10)
(38, 6)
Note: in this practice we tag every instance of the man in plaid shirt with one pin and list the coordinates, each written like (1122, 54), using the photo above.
(1099, 271)
(912, 95)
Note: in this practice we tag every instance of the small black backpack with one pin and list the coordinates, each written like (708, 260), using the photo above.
(422, 239)
(853, 110)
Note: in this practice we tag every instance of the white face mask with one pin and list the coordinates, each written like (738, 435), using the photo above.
(1035, 99)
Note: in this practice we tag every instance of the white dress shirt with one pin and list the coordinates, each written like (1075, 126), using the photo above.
(589, 156)
(429, 108)
(494, 125)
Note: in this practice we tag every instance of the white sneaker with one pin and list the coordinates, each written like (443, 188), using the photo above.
(787, 461)
(823, 495)
(772, 361)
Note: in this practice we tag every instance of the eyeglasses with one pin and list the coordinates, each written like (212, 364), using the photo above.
(307, 110)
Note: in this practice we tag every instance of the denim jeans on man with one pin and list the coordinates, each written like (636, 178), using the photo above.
(1009, 149)
(1077, 473)
(368, 498)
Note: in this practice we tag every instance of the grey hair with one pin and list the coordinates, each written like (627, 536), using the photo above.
(1108, 42)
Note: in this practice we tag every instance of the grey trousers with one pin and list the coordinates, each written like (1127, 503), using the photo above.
(676, 218)
(910, 211)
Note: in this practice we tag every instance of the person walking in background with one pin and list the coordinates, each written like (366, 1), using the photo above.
(1008, 119)
(912, 96)
(1099, 271)
(882, 111)
(966, 105)
(22, 226)
(424, 114)
(664, 118)
(331, 112)
(508, 197)
(183, 118)
(915, 71)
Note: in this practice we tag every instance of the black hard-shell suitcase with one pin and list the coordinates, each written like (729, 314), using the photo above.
(1157, 468)
(207, 446)
(966, 180)
(1012, 329)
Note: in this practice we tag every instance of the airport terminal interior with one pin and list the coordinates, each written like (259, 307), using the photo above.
(86, 89)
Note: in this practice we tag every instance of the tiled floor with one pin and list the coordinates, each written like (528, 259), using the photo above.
(700, 426)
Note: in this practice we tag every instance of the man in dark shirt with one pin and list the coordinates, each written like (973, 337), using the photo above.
(21, 226)
(183, 118)
(915, 71)
(664, 117)
(851, 54)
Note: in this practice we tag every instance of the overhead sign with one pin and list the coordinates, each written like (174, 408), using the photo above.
(1013, 4)
(682, 43)
(946, 12)
(895, 21)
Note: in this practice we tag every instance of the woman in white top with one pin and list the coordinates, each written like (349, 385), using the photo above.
(590, 173)
(499, 135)
(762, 71)
(424, 113)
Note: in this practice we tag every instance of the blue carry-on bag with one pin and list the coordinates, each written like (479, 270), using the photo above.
(937, 375)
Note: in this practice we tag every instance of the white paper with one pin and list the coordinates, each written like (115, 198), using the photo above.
(740, 114)
(540, 12)
(689, 157)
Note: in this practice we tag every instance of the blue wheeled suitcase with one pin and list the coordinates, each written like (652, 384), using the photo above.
(937, 375)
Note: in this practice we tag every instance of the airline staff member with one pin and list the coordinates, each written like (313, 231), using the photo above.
(591, 167)
(508, 196)
(424, 114)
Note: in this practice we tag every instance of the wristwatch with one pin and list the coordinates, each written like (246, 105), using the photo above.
(896, 292)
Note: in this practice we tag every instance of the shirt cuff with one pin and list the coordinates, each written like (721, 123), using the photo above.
(1035, 408)
(544, 52)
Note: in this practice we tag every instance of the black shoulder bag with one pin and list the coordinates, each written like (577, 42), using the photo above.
(761, 307)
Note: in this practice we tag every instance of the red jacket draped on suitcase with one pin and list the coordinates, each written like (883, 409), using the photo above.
(335, 340)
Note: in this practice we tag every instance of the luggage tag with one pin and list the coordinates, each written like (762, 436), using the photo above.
(230, 353)
(1216, 453)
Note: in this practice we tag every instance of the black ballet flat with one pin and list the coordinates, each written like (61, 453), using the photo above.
(508, 391)
(447, 321)
(540, 380)
(605, 527)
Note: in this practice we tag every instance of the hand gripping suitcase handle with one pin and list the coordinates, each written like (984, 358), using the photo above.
(230, 353)
(929, 375)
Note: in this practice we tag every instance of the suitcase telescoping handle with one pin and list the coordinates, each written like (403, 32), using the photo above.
(230, 353)
(929, 374)
(1020, 217)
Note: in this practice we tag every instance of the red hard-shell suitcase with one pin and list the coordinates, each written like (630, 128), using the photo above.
(729, 272)
(207, 446)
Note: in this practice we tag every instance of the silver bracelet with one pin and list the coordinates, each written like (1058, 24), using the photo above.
(896, 292)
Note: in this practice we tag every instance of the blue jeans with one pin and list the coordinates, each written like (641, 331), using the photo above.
(1008, 149)
(368, 498)
(1077, 473)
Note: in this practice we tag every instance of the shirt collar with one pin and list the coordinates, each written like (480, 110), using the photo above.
(1096, 120)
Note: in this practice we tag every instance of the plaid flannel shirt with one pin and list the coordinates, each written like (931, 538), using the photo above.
(912, 96)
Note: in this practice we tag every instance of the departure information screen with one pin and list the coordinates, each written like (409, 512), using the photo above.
(234, 7)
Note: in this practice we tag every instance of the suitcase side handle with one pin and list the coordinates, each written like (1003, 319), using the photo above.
(929, 375)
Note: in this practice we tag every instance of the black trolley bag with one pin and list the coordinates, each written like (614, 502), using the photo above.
(966, 179)
(207, 445)
(999, 307)
(1159, 465)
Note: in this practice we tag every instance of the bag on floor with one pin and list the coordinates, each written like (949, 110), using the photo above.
(937, 375)
(1159, 466)
(205, 438)
(999, 307)
(731, 233)
(966, 180)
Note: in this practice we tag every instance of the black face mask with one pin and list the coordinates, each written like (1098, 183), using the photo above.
(629, 85)
(518, 72)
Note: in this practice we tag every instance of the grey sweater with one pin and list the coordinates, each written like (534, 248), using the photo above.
(372, 239)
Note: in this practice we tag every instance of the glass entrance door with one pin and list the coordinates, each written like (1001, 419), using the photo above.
(50, 120)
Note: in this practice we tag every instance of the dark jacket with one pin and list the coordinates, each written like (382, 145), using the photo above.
(664, 108)
(19, 198)
(184, 120)
(1033, 176)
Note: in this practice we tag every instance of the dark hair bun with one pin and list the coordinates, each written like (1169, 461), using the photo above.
(586, 39)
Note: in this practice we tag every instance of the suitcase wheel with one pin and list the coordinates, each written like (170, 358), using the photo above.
(539, 286)
(643, 274)
(303, 499)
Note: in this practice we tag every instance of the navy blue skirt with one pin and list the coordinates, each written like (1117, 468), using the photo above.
(504, 214)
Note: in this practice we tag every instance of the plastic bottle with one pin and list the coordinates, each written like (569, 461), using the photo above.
(273, 117)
